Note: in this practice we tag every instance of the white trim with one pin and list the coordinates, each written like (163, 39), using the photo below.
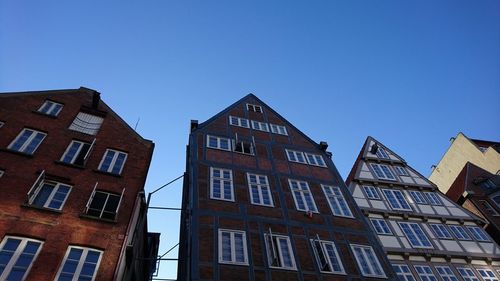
(254, 107)
(279, 255)
(373, 190)
(446, 273)
(218, 140)
(459, 232)
(239, 121)
(401, 171)
(418, 197)
(382, 224)
(260, 186)
(81, 262)
(297, 155)
(17, 253)
(402, 275)
(28, 141)
(433, 198)
(490, 274)
(91, 197)
(324, 252)
(440, 231)
(315, 159)
(394, 193)
(52, 105)
(381, 173)
(414, 233)
(55, 189)
(425, 274)
(372, 267)
(232, 242)
(303, 193)
(89, 151)
(260, 126)
(336, 197)
(467, 274)
(478, 234)
(278, 129)
(36, 185)
(101, 211)
(112, 164)
(221, 180)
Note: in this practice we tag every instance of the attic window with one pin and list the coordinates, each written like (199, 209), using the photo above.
(86, 123)
(381, 153)
(254, 108)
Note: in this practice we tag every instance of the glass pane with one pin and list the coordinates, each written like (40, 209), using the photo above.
(98, 200)
(107, 160)
(71, 152)
(43, 195)
(118, 163)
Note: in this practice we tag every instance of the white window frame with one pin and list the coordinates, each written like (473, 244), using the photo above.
(478, 233)
(113, 161)
(418, 197)
(364, 257)
(458, 232)
(403, 272)
(240, 122)
(426, 273)
(295, 156)
(261, 187)
(55, 189)
(303, 193)
(52, 109)
(260, 126)
(278, 129)
(219, 143)
(108, 194)
(401, 171)
(254, 107)
(87, 123)
(446, 273)
(335, 197)
(233, 246)
(28, 141)
(371, 190)
(467, 274)
(241, 144)
(489, 208)
(395, 194)
(382, 173)
(381, 153)
(81, 262)
(490, 274)
(315, 160)
(433, 198)
(324, 253)
(414, 229)
(78, 152)
(440, 231)
(382, 225)
(17, 254)
(221, 182)
(276, 253)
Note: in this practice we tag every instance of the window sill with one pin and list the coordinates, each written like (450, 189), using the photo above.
(25, 205)
(43, 114)
(108, 173)
(85, 216)
(17, 152)
(69, 165)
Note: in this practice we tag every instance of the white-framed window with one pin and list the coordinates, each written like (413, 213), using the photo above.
(103, 204)
(218, 143)
(254, 107)
(488, 208)
(17, 255)
(415, 235)
(459, 232)
(244, 147)
(261, 126)
(79, 263)
(113, 161)
(371, 192)
(433, 198)
(403, 272)
(86, 123)
(315, 160)
(396, 200)
(467, 274)
(441, 231)
(446, 273)
(383, 172)
(277, 129)
(367, 261)
(302, 196)
(238, 121)
(401, 171)
(221, 184)
(77, 152)
(260, 192)
(296, 156)
(336, 201)
(381, 226)
(425, 273)
(50, 108)
(327, 256)
(27, 141)
(417, 197)
(487, 274)
(233, 247)
(478, 233)
(381, 153)
(279, 251)
(48, 194)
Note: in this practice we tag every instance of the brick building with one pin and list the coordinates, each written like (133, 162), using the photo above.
(72, 176)
(262, 201)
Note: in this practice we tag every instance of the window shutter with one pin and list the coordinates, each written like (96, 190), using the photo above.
(91, 197)
(35, 187)
(271, 244)
(88, 151)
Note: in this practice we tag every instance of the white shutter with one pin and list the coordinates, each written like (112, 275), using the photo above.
(91, 197)
(36, 187)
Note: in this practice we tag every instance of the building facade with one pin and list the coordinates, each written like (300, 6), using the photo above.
(72, 176)
(425, 235)
(262, 201)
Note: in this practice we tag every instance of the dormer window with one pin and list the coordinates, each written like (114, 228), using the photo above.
(50, 108)
(86, 123)
(254, 108)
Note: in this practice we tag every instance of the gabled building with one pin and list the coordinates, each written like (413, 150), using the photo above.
(72, 176)
(425, 235)
(262, 201)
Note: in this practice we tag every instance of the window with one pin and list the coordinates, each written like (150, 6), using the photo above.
(243, 147)
(218, 143)
(425, 273)
(103, 204)
(415, 235)
(27, 141)
(467, 274)
(315, 160)
(302, 196)
(433, 198)
(396, 200)
(277, 129)
(441, 231)
(237, 121)
(371, 192)
(254, 108)
(86, 123)
(1, 124)
(113, 161)
(79, 264)
(260, 193)
(487, 274)
(77, 152)
(403, 272)
(418, 197)
(446, 273)
(496, 199)
(221, 184)
(488, 208)
(381, 153)
(50, 108)
(367, 261)
(279, 251)
(261, 126)
(383, 172)
(488, 184)
(459, 232)
(401, 171)
(48, 194)
(336, 200)
(1, 173)
(327, 256)
(478, 233)
(232, 247)
(296, 156)
(381, 226)
(16, 257)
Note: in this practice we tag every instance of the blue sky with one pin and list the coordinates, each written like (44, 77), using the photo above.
(410, 73)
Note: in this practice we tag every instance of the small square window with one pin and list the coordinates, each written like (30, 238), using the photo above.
(50, 108)
(103, 204)
(27, 141)
(425, 273)
(277, 129)
(86, 123)
(243, 147)
(240, 122)
(446, 273)
(381, 226)
(381, 153)
(396, 200)
(315, 160)
(401, 171)
(77, 152)
(254, 108)
(371, 192)
(296, 156)
(48, 194)
(218, 143)
(113, 161)
(487, 274)
(261, 126)
(403, 272)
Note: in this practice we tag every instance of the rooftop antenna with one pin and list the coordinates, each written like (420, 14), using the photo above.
(137, 123)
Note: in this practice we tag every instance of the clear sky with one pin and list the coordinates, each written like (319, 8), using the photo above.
(410, 73)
